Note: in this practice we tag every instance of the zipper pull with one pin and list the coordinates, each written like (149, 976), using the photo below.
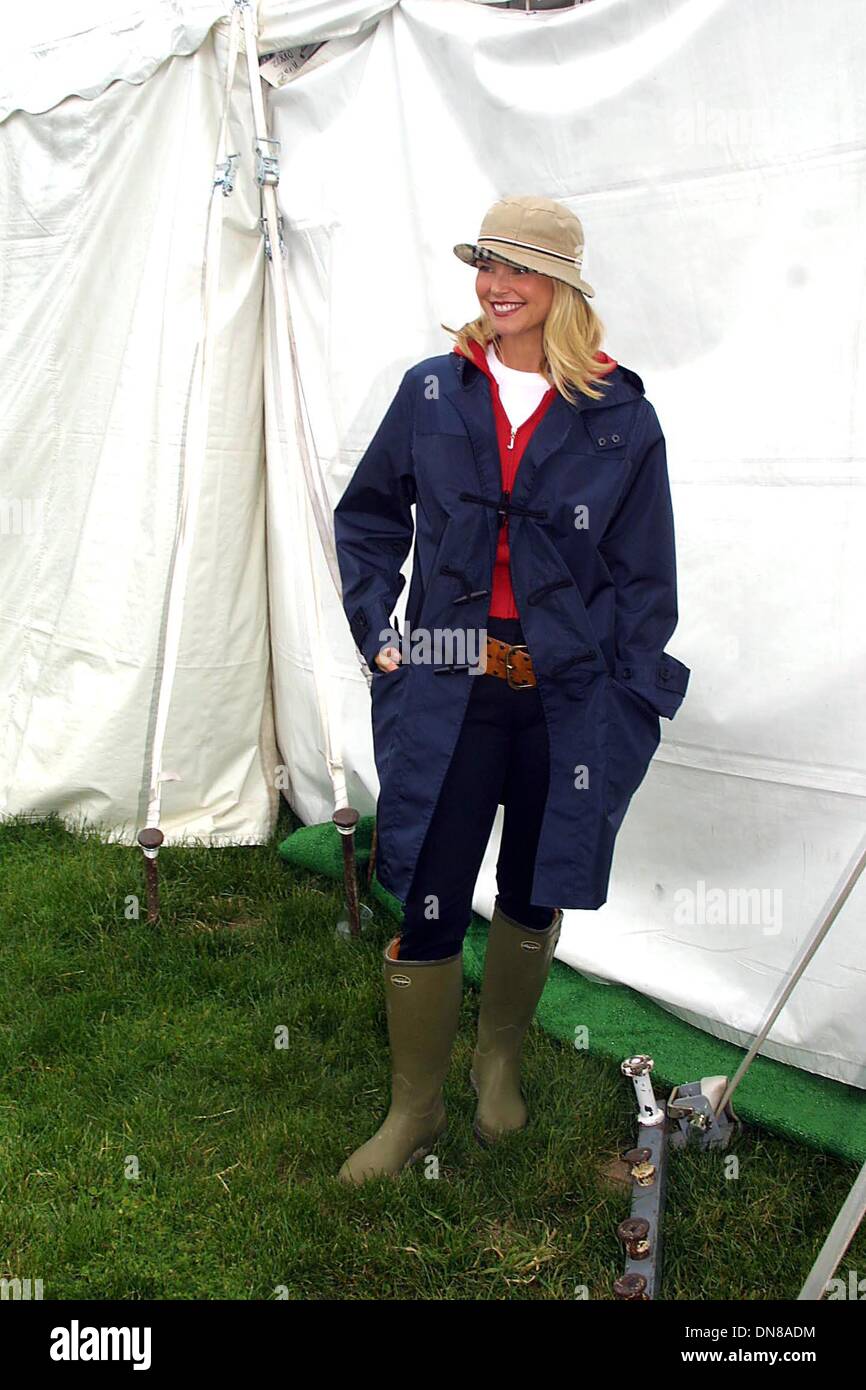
(510, 444)
(502, 510)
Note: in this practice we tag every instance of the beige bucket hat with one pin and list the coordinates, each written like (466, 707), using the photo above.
(535, 233)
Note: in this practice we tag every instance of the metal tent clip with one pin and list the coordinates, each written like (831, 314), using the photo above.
(224, 174)
(267, 239)
(267, 163)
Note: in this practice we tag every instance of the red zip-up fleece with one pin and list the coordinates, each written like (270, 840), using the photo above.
(512, 444)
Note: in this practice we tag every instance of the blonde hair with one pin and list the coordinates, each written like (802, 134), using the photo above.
(572, 335)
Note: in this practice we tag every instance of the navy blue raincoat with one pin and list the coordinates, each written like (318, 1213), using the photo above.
(593, 571)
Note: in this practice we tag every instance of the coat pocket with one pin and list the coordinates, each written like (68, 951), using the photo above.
(633, 735)
(659, 684)
(387, 691)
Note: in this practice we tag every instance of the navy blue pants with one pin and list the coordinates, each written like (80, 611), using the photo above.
(502, 756)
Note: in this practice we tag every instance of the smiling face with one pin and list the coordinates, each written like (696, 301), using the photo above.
(516, 301)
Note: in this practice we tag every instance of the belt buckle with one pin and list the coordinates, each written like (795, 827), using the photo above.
(515, 647)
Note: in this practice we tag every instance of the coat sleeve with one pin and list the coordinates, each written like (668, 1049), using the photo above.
(639, 551)
(373, 528)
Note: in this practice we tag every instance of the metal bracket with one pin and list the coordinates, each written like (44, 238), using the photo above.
(692, 1109)
(267, 161)
(224, 175)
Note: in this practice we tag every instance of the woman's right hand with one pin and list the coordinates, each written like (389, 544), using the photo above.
(385, 659)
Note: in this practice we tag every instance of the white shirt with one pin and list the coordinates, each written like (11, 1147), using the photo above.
(520, 392)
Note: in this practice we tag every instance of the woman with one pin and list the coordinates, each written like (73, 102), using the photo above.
(544, 558)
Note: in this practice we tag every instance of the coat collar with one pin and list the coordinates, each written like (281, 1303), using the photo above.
(619, 385)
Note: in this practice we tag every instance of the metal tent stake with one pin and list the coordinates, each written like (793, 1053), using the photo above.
(346, 820)
(150, 840)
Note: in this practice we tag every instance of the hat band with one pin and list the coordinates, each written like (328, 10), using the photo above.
(530, 246)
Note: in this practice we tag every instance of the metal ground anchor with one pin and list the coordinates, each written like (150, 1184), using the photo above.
(641, 1232)
(358, 916)
(150, 840)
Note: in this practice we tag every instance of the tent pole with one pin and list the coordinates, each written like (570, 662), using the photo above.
(837, 900)
(841, 1234)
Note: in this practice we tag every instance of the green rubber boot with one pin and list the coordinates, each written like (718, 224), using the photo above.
(422, 999)
(515, 970)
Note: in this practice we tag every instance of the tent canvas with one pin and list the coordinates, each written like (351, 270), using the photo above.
(720, 182)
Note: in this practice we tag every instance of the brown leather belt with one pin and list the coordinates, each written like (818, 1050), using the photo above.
(511, 662)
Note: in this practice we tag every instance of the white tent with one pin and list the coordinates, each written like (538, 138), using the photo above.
(166, 603)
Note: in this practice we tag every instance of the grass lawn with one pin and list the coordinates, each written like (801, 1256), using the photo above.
(128, 1048)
